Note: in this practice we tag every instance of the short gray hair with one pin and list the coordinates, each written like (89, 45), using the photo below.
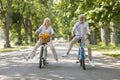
(81, 15)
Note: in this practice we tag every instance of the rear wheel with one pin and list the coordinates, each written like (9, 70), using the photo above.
(41, 58)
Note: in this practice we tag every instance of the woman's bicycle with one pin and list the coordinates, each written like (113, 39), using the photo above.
(81, 54)
(43, 55)
(45, 38)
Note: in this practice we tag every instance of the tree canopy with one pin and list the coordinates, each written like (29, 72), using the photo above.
(20, 18)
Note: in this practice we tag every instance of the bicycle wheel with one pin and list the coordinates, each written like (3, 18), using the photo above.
(41, 59)
(81, 62)
(83, 59)
(79, 57)
(45, 56)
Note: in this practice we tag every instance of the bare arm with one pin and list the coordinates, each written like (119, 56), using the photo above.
(73, 30)
(38, 30)
(52, 32)
(51, 35)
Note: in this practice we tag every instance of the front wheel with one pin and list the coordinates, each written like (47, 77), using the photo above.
(81, 62)
(83, 59)
(41, 58)
(80, 58)
(45, 56)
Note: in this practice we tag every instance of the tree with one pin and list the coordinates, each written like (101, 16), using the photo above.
(7, 17)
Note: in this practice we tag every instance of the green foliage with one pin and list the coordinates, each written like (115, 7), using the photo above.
(112, 45)
(63, 15)
(102, 45)
(14, 48)
(108, 50)
(113, 55)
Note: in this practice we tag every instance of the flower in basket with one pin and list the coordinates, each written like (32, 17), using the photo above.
(45, 38)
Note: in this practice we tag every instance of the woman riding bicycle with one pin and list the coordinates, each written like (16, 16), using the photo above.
(45, 28)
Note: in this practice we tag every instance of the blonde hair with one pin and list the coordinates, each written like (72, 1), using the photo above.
(47, 18)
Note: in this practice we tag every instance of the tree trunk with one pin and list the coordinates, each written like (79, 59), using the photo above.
(7, 25)
(19, 40)
(26, 30)
(30, 25)
(113, 35)
(93, 38)
(104, 38)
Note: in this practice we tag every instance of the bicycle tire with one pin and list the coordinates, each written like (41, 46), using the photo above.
(83, 59)
(41, 59)
(80, 60)
(45, 57)
(44, 62)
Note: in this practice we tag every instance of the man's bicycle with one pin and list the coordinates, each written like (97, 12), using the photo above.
(43, 55)
(81, 54)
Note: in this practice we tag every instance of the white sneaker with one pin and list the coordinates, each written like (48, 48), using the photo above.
(25, 56)
(91, 63)
(77, 61)
(30, 60)
(87, 58)
(57, 61)
(34, 58)
(65, 55)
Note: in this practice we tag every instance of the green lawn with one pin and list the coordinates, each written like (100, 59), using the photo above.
(14, 47)
(108, 50)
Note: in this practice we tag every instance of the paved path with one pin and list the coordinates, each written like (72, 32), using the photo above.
(14, 67)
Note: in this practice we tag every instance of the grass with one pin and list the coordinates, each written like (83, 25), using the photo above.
(114, 55)
(108, 50)
(14, 47)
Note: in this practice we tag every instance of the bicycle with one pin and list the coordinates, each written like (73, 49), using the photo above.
(43, 55)
(81, 54)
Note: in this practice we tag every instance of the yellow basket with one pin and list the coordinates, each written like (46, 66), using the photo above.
(45, 38)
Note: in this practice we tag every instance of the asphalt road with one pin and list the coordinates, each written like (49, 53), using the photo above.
(13, 66)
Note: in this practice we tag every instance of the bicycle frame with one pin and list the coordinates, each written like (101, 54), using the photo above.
(81, 55)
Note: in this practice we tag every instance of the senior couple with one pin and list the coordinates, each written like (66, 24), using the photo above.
(80, 30)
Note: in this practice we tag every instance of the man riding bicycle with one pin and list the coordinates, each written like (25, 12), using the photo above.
(80, 31)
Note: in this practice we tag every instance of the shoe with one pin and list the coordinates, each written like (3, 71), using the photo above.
(78, 61)
(57, 61)
(91, 63)
(65, 55)
(25, 56)
(30, 60)
(87, 58)
(34, 58)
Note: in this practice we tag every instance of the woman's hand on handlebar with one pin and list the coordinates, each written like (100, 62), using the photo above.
(36, 33)
(51, 35)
